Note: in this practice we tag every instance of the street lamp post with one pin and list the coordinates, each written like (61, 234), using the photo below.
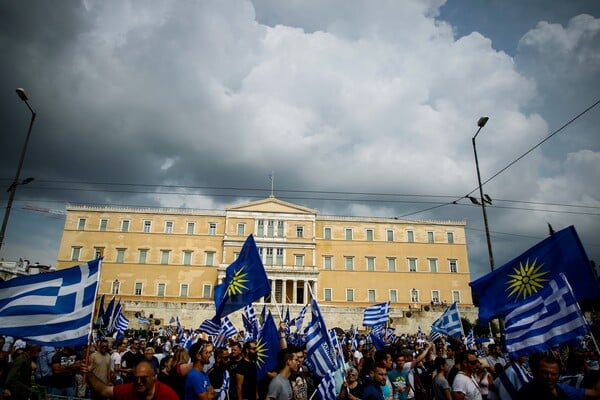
(13, 187)
(481, 123)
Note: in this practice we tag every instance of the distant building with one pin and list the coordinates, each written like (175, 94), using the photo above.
(166, 262)
(13, 269)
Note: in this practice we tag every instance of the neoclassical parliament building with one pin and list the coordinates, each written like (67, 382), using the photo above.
(165, 262)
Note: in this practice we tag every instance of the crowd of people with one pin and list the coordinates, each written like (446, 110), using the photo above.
(409, 369)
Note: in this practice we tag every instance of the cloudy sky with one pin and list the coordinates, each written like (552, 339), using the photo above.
(359, 107)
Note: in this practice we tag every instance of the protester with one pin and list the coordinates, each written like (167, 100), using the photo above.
(130, 359)
(115, 362)
(352, 389)
(465, 386)
(441, 387)
(280, 387)
(65, 364)
(245, 374)
(100, 362)
(17, 385)
(197, 384)
(144, 385)
(375, 382)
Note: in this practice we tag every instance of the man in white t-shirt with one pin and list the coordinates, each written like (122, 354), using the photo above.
(115, 362)
(411, 363)
(465, 387)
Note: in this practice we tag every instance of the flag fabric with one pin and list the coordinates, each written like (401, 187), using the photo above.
(170, 331)
(108, 313)
(326, 388)
(51, 309)
(354, 339)
(245, 281)
(319, 349)
(420, 336)
(511, 285)
(434, 336)
(376, 314)
(551, 318)
(210, 327)
(449, 322)
(377, 331)
(172, 320)
(299, 320)
(111, 323)
(222, 393)
(470, 339)
(287, 321)
(250, 321)
(101, 312)
(267, 348)
(227, 329)
(143, 320)
(121, 323)
(180, 332)
(377, 341)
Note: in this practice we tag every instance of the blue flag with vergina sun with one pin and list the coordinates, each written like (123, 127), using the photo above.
(245, 281)
(267, 348)
(511, 285)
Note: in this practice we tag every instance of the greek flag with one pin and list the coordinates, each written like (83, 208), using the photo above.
(319, 349)
(354, 338)
(550, 318)
(210, 327)
(470, 339)
(227, 330)
(434, 336)
(121, 323)
(223, 391)
(143, 320)
(299, 320)
(449, 322)
(326, 388)
(51, 309)
(377, 314)
(420, 336)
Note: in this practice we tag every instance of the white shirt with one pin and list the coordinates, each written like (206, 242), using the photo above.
(115, 358)
(467, 385)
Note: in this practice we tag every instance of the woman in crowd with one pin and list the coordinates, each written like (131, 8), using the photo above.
(351, 388)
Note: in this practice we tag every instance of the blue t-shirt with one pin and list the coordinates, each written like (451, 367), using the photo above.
(196, 383)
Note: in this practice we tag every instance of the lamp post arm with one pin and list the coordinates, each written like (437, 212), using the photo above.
(485, 220)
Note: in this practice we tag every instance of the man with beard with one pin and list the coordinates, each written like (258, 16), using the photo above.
(280, 387)
(235, 358)
(374, 382)
(217, 372)
(197, 384)
(245, 374)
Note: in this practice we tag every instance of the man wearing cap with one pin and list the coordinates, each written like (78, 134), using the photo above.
(18, 380)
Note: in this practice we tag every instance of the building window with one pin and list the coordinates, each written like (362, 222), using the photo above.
(280, 229)
(327, 233)
(370, 264)
(125, 225)
(270, 228)
(394, 295)
(143, 256)
(241, 229)
(160, 289)
(414, 296)
(98, 252)
(450, 237)
(371, 294)
(103, 224)
(298, 260)
(279, 257)
(327, 294)
(206, 291)
(349, 262)
(391, 264)
(369, 235)
(164, 256)
(412, 265)
(169, 227)
(348, 233)
(147, 226)
(430, 238)
(75, 253)
(410, 236)
(349, 294)
(191, 227)
(183, 290)
(269, 256)
(120, 255)
(187, 257)
(260, 228)
(116, 287)
(139, 287)
(210, 258)
(453, 266)
(433, 265)
(299, 231)
(456, 296)
(81, 224)
(327, 264)
(212, 229)
(435, 296)
(390, 235)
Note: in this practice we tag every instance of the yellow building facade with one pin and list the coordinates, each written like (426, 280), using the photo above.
(166, 262)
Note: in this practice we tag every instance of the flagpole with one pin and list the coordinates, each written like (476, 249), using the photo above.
(91, 339)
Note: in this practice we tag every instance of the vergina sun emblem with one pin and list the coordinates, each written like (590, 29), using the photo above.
(526, 280)
(238, 282)
(261, 352)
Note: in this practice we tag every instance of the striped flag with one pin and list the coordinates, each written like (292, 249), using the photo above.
(355, 338)
(449, 322)
(210, 327)
(319, 349)
(51, 309)
(227, 330)
(434, 336)
(470, 339)
(326, 388)
(222, 393)
(377, 314)
(299, 320)
(550, 318)
(121, 323)
(420, 335)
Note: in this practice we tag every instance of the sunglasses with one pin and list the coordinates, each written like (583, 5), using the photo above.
(473, 362)
(141, 379)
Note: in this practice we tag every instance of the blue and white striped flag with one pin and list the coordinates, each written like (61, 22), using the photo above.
(377, 314)
(470, 339)
(319, 349)
(355, 338)
(449, 322)
(121, 323)
(143, 320)
(51, 309)
(550, 318)
(227, 330)
(377, 331)
(222, 393)
(210, 327)
(420, 336)
(299, 320)
(326, 388)
(434, 336)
